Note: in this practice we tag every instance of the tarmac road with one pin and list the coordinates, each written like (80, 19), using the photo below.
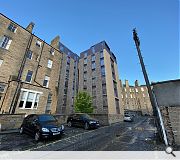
(124, 136)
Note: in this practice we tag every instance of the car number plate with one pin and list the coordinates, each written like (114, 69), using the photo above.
(56, 133)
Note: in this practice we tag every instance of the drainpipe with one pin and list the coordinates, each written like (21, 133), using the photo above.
(39, 65)
(15, 97)
(4, 97)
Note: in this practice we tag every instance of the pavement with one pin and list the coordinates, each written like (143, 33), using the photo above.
(9, 131)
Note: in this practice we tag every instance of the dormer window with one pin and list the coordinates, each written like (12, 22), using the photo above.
(38, 43)
(12, 27)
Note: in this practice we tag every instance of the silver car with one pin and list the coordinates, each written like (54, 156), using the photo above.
(128, 118)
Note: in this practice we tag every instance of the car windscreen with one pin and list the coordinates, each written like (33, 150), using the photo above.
(44, 118)
(86, 116)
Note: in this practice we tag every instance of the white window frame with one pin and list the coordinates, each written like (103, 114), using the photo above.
(52, 51)
(34, 98)
(50, 63)
(38, 43)
(1, 62)
(28, 54)
(142, 89)
(136, 90)
(13, 28)
(31, 76)
(48, 79)
(5, 42)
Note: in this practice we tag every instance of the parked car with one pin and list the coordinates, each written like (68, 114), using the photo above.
(82, 120)
(41, 126)
(128, 118)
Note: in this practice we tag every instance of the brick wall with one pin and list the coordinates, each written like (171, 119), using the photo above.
(8, 121)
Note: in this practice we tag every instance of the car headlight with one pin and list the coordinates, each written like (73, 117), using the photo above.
(91, 122)
(45, 130)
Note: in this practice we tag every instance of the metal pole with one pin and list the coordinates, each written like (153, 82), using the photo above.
(156, 111)
(161, 120)
(137, 42)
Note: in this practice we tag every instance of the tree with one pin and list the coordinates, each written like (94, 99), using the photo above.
(83, 103)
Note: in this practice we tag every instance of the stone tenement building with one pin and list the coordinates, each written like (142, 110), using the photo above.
(136, 98)
(37, 77)
(98, 75)
(30, 70)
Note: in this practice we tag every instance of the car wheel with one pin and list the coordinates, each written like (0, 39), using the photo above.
(37, 136)
(86, 126)
(21, 131)
(69, 124)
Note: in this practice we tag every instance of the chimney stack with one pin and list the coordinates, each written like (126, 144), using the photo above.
(30, 27)
(121, 85)
(136, 83)
(126, 83)
(55, 42)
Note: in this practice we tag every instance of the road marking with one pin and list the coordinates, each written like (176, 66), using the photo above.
(65, 139)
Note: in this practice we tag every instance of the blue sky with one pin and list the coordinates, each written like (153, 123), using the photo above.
(83, 23)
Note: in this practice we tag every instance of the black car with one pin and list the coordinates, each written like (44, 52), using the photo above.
(82, 120)
(41, 126)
